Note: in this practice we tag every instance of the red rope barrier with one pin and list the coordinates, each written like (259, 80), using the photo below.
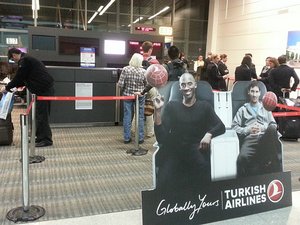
(72, 98)
(284, 114)
(288, 107)
(29, 108)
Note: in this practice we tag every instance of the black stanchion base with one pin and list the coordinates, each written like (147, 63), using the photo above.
(139, 152)
(36, 159)
(19, 215)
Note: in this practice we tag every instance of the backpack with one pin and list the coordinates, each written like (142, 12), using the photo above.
(175, 71)
(146, 63)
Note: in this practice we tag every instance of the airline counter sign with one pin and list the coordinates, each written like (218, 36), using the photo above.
(218, 201)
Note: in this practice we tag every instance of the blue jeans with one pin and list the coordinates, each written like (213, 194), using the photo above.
(129, 105)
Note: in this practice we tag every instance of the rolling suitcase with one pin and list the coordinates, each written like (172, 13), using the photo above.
(289, 126)
(6, 131)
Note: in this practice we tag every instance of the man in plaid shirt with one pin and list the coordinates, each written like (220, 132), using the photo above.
(132, 79)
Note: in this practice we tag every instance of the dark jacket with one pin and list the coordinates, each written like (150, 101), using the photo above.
(175, 69)
(33, 74)
(214, 76)
(243, 72)
(280, 78)
(223, 71)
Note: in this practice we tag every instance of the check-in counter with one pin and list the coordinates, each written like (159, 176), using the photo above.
(74, 81)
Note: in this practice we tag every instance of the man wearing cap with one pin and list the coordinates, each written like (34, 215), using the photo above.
(33, 74)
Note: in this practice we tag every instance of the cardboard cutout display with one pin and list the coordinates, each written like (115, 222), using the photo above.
(186, 190)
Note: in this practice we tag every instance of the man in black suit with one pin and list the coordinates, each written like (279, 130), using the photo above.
(280, 78)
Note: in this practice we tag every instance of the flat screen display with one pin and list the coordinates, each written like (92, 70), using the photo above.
(72, 45)
(114, 47)
(43, 42)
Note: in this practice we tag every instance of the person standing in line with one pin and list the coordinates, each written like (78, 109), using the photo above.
(147, 48)
(33, 74)
(260, 149)
(271, 63)
(213, 74)
(176, 67)
(132, 79)
(223, 71)
(252, 67)
(280, 78)
(198, 67)
(266, 68)
(184, 132)
(243, 72)
(207, 61)
(184, 60)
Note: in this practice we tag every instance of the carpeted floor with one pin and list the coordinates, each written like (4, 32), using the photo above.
(88, 172)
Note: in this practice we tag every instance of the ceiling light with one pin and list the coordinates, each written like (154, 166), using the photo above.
(161, 11)
(95, 14)
(106, 7)
(137, 20)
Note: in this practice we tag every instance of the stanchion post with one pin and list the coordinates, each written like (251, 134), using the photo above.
(33, 127)
(137, 115)
(138, 151)
(27, 98)
(33, 158)
(26, 212)
(25, 161)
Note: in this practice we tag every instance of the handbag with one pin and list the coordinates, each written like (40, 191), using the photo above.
(149, 107)
(6, 104)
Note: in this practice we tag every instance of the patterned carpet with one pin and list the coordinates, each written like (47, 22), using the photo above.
(87, 172)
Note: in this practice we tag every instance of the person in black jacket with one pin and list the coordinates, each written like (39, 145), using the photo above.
(280, 78)
(215, 78)
(244, 72)
(33, 74)
(223, 71)
(252, 67)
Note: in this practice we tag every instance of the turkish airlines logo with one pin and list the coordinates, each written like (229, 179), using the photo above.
(275, 191)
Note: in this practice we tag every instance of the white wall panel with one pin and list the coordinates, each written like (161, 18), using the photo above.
(257, 26)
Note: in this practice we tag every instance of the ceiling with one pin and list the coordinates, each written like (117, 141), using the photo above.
(58, 13)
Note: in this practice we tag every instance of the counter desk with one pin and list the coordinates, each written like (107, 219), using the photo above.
(74, 81)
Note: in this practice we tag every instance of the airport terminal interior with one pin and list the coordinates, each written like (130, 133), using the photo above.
(87, 176)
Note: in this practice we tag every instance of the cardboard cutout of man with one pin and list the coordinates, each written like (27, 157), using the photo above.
(260, 149)
(184, 134)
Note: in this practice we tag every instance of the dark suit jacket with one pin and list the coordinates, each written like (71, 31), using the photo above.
(222, 68)
(280, 78)
(243, 73)
(223, 71)
(213, 76)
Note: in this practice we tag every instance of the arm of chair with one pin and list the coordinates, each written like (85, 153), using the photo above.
(224, 153)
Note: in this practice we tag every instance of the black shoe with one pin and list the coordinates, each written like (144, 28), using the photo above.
(43, 144)
(127, 141)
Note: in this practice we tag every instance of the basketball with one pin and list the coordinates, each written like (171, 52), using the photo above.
(156, 75)
(269, 101)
